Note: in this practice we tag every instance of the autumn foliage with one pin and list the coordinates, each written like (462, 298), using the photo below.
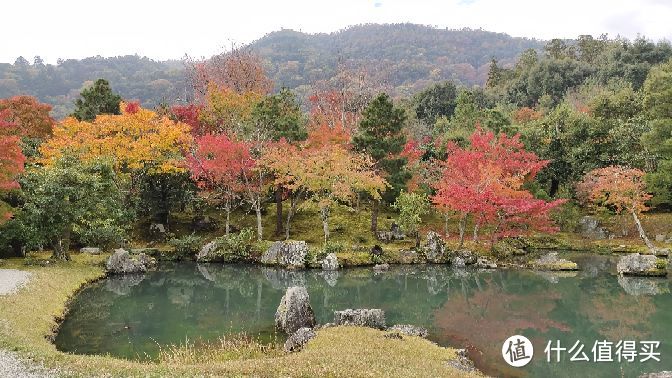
(135, 140)
(485, 181)
(29, 117)
(11, 160)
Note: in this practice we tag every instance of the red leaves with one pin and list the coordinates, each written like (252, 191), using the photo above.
(11, 158)
(30, 117)
(189, 114)
(132, 107)
(219, 163)
(486, 180)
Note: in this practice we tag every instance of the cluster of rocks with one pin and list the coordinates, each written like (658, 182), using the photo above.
(122, 262)
(636, 264)
(552, 262)
(395, 233)
(296, 318)
(287, 254)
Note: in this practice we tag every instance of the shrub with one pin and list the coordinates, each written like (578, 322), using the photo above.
(186, 247)
(234, 247)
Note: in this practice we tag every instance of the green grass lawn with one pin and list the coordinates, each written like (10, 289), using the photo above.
(29, 317)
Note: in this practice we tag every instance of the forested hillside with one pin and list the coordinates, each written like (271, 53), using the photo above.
(404, 58)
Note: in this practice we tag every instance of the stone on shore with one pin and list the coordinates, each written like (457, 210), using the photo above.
(372, 318)
(294, 311)
(288, 254)
(121, 262)
(330, 262)
(90, 250)
(298, 339)
(410, 330)
(551, 261)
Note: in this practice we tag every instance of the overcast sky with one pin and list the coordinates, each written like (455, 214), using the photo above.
(169, 29)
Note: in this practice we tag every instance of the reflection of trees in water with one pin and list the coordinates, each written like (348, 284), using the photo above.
(484, 309)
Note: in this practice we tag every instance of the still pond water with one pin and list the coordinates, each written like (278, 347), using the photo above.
(131, 316)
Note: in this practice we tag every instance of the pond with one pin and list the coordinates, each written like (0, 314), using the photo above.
(133, 316)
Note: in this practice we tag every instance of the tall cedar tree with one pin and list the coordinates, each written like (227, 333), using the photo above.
(95, 100)
(380, 137)
(281, 115)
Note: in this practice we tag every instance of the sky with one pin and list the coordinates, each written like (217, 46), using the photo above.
(169, 29)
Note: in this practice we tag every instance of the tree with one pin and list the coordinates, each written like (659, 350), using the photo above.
(228, 111)
(619, 188)
(218, 165)
(486, 180)
(436, 101)
(411, 206)
(189, 114)
(11, 161)
(71, 199)
(658, 102)
(281, 116)
(136, 140)
(95, 100)
(30, 117)
(380, 137)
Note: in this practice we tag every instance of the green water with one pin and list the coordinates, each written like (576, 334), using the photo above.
(132, 316)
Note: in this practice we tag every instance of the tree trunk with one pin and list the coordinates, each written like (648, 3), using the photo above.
(555, 184)
(476, 231)
(417, 239)
(463, 226)
(293, 200)
(324, 214)
(260, 232)
(642, 234)
(374, 216)
(61, 247)
(227, 208)
(278, 211)
(445, 224)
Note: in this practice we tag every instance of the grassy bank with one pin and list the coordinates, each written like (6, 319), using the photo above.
(28, 318)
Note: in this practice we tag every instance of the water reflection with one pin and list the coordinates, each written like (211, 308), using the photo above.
(128, 316)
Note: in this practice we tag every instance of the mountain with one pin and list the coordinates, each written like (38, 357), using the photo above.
(406, 57)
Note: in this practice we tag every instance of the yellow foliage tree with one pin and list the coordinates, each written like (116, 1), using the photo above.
(138, 139)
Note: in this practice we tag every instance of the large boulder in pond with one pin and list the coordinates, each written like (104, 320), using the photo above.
(641, 265)
(330, 262)
(298, 339)
(121, 262)
(288, 254)
(372, 318)
(294, 311)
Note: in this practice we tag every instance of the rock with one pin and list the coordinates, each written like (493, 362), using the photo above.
(90, 250)
(373, 318)
(483, 263)
(376, 251)
(589, 227)
(641, 265)
(158, 231)
(643, 286)
(395, 233)
(330, 262)
(459, 262)
(294, 311)
(393, 335)
(298, 339)
(660, 238)
(662, 252)
(409, 330)
(203, 223)
(206, 254)
(289, 254)
(381, 267)
(121, 262)
(146, 260)
(465, 257)
(462, 362)
(551, 261)
(435, 248)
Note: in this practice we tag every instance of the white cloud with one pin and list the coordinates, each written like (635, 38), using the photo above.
(169, 29)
